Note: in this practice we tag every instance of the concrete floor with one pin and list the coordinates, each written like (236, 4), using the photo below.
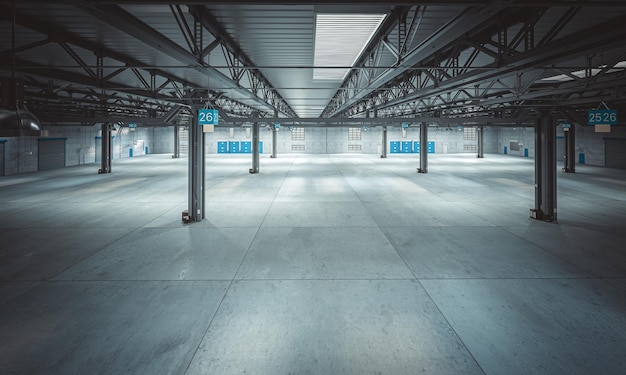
(336, 264)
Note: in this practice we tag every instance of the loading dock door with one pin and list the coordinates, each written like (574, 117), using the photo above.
(51, 153)
(615, 153)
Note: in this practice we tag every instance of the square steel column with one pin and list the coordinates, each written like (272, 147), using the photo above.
(106, 149)
(423, 148)
(384, 148)
(196, 171)
(570, 148)
(274, 145)
(255, 148)
(176, 142)
(545, 170)
(480, 131)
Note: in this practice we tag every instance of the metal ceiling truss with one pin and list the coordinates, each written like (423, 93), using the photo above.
(159, 87)
(511, 64)
(242, 69)
(256, 88)
(360, 83)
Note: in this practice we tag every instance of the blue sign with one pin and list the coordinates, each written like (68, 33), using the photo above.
(602, 117)
(277, 125)
(405, 125)
(208, 117)
(132, 125)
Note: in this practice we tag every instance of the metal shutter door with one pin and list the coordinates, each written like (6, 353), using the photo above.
(615, 153)
(51, 154)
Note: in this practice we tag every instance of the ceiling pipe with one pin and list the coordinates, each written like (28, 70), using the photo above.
(15, 119)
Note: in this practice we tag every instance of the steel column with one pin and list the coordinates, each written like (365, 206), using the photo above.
(423, 148)
(545, 170)
(570, 148)
(196, 171)
(274, 145)
(384, 154)
(106, 149)
(481, 150)
(176, 143)
(255, 148)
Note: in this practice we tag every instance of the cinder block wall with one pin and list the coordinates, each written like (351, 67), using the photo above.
(335, 140)
(81, 146)
(588, 142)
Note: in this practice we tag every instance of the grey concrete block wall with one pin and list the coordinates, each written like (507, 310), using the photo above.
(318, 140)
(162, 140)
(137, 140)
(81, 145)
(588, 142)
(524, 135)
(592, 144)
(20, 155)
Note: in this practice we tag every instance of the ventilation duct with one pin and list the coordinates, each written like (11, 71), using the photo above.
(15, 119)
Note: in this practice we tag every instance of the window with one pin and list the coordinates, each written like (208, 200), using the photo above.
(339, 40)
(297, 134)
(354, 147)
(470, 148)
(297, 147)
(469, 134)
(354, 134)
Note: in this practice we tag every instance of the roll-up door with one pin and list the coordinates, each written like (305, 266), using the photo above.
(615, 153)
(51, 153)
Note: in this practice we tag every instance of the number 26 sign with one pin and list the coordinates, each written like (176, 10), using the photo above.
(208, 117)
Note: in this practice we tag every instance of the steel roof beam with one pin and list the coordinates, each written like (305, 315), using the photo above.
(591, 39)
(122, 20)
(210, 23)
(471, 19)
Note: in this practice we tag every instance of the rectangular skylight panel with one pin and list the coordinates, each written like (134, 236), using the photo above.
(339, 40)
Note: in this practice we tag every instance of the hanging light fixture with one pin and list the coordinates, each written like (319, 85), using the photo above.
(15, 119)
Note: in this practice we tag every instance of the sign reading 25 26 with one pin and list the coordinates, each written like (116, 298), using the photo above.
(208, 117)
(608, 117)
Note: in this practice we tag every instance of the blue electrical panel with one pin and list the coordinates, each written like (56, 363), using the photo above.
(233, 147)
(431, 147)
(394, 147)
(416, 147)
(246, 147)
(260, 147)
(222, 147)
(407, 147)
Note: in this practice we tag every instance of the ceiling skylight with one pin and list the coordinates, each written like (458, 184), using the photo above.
(339, 40)
(581, 73)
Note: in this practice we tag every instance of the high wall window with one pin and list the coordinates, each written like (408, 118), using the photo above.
(354, 134)
(297, 134)
(469, 134)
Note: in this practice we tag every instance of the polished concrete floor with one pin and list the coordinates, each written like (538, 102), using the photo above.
(329, 264)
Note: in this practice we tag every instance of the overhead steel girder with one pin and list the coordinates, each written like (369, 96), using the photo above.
(210, 23)
(61, 36)
(610, 33)
(386, 121)
(452, 31)
(117, 17)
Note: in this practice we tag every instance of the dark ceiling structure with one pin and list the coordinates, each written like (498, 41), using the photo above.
(85, 62)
